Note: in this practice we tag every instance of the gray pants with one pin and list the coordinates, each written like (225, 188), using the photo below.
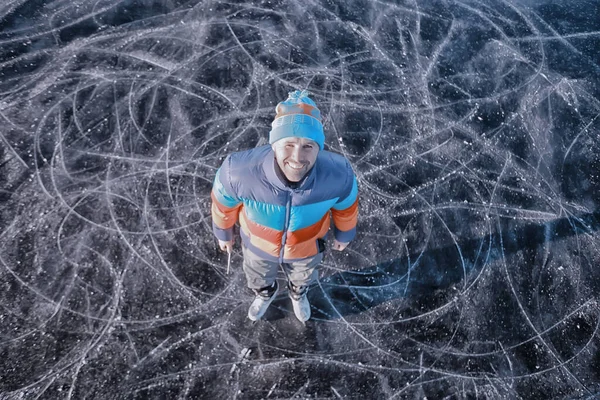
(261, 273)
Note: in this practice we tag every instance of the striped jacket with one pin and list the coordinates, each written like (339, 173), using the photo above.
(277, 222)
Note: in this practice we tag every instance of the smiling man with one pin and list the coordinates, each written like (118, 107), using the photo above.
(285, 198)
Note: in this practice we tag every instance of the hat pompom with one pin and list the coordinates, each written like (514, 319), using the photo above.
(297, 94)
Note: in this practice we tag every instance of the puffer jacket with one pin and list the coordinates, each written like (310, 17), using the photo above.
(277, 222)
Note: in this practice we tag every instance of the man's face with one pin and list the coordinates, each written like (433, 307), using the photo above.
(295, 156)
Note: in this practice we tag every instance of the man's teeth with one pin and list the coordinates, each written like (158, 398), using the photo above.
(296, 166)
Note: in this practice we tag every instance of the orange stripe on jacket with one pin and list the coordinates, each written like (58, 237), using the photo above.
(223, 217)
(312, 232)
(269, 240)
(254, 229)
(301, 250)
(265, 245)
(346, 219)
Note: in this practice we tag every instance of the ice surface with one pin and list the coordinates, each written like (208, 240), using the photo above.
(473, 127)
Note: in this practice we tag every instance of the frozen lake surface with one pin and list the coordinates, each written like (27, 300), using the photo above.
(473, 128)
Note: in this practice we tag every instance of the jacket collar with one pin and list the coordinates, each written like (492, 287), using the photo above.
(270, 165)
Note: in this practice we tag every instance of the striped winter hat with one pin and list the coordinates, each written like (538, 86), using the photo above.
(297, 116)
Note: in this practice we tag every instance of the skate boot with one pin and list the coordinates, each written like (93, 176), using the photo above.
(261, 302)
(300, 302)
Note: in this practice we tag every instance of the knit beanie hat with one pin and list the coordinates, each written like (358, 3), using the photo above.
(297, 116)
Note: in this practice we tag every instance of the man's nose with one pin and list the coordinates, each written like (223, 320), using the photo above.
(296, 154)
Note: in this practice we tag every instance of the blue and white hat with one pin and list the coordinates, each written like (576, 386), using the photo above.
(298, 116)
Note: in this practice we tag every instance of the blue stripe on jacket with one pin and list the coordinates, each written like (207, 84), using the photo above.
(310, 214)
(223, 195)
(350, 199)
(269, 215)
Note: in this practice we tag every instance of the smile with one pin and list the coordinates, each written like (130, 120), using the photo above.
(295, 166)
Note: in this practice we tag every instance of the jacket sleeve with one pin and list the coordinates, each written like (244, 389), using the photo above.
(345, 212)
(225, 205)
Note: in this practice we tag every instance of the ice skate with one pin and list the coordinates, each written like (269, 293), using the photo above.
(300, 302)
(261, 302)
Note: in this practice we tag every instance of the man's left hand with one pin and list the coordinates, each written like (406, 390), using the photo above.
(226, 245)
(339, 246)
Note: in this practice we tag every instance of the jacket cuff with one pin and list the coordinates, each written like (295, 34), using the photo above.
(344, 236)
(225, 235)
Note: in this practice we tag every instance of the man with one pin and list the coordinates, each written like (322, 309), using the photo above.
(284, 197)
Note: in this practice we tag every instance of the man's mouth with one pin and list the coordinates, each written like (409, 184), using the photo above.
(296, 167)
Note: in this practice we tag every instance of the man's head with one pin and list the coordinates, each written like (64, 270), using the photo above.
(295, 156)
(296, 135)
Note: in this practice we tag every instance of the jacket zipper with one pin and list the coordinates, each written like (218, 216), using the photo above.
(288, 211)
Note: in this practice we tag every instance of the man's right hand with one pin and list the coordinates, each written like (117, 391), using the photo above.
(226, 246)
